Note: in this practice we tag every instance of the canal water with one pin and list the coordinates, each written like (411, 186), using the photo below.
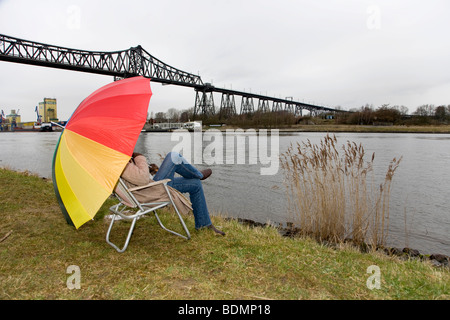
(420, 192)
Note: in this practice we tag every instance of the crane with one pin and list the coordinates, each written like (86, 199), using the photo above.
(1, 120)
(39, 117)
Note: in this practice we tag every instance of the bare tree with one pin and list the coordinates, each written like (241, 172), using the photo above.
(173, 114)
(425, 110)
(160, 116)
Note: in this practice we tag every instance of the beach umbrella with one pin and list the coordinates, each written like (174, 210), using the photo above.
(95, 146)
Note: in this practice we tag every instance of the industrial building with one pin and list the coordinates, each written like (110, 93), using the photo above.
(47, 111)
(10, 121)
(13, 117)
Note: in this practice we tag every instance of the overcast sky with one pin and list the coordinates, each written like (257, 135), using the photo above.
(335, 53)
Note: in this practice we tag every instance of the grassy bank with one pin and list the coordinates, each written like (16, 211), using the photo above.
(37, 247)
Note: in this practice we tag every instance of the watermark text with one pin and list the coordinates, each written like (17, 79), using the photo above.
(232, 146)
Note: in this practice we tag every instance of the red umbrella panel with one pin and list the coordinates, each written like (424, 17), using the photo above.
(96, 145)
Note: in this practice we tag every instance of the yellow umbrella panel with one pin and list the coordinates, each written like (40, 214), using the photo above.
(84, 181)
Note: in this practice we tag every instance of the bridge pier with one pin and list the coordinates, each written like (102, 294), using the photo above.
(204, 104)
(263, 105)
(227, 106)
(289, 107)
(298, 110)
(247, 105)
(313, 112)
(276, 106)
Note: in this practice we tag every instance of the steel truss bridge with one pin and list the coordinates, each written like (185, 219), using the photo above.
(136, 61)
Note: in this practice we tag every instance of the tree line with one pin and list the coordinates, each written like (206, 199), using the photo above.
(396, 115)
(255, 119)
(365, 115)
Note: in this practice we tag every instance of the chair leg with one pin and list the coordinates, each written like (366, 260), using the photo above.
(130, 232)
(188, 235)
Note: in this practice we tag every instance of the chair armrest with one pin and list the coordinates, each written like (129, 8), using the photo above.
(151, 184)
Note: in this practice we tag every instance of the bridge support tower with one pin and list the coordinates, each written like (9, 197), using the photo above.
(277, 106)
(227, 106)
(204, 104)
(247, 105)
(289, 107)
(263, 105)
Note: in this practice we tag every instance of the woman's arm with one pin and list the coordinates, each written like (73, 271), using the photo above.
(137, 172)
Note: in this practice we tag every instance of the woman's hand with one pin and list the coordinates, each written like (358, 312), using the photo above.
(153, 169)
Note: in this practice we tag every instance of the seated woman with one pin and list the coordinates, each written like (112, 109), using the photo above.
(136, 173)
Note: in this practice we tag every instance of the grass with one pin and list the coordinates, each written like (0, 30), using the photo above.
(248, 263)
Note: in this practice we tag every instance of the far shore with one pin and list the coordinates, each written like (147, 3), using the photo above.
(430, 129)
(351, 128)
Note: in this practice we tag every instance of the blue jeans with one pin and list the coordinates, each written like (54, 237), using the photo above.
(189, 182)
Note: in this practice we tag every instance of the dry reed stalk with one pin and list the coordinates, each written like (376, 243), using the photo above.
(328, 194)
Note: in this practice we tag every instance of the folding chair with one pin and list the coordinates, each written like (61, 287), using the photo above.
(128, 202)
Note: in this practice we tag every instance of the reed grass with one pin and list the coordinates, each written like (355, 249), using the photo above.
(331, 192)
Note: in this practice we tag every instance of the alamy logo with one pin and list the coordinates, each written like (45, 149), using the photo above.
(74, 280)
(232, 146)
(373, 21)
(73, 17)
(374, 281)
